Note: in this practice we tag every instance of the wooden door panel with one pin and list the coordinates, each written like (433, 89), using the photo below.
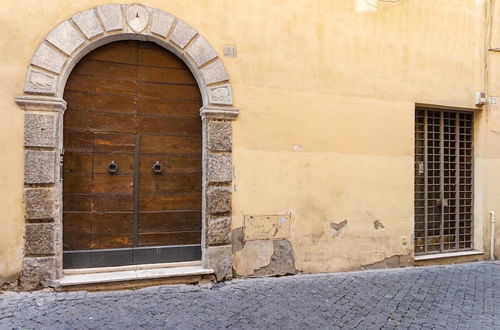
(113, 184)
(151, 106)
(113, 143)
(171, 164)
(77, 162)
(170, 183)
(170, 221)
(125, 163)
(77, 202)
(170, 145)
(119, 94)
(177, 238)
(169, 126)
(112, 202)
(166, 75)
(104, 103)
(112, 223)
(115, 71)
(164, 202)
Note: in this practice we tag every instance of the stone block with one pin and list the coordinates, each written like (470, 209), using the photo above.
(218, 258)
(47, 58)
(39, 166)
(39, 203)
(39, 239)
(219, 168)
(218, 200)
(37, 273)
(87, 22)
(161, 22)
(65, 37)
(111, 16)
(201, 52)
(219, 231)
(214, 72)
(40, 130)
(39, 82)
(182, 35)
(219, 135)
(220, 94)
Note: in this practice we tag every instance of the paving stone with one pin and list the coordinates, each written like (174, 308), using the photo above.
(356, 300)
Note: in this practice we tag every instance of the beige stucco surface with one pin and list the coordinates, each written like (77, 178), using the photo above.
(327, 92)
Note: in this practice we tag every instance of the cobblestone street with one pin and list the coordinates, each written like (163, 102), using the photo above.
(463, 296)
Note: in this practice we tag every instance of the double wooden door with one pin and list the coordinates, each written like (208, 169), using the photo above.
(132, 160)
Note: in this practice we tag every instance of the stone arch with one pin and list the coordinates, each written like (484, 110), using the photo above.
(44, 107)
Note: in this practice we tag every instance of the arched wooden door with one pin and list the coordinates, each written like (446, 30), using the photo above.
(132, 162)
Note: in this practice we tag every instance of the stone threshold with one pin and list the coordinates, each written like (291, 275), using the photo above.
(93, 276)
(447, 255)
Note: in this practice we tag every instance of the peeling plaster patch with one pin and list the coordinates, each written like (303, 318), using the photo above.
(237, 239)
(378, 225)
(337, 228)
(255, 254)
(282, 261)
(391, 262)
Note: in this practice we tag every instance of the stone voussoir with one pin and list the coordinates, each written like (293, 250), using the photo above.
(214, 72)
(182, 34)
(39, 166)
(111, 16)
(220, 94)
(65, 37)
(88, 23)
(161, 22)
(201, 52)
(48, 58)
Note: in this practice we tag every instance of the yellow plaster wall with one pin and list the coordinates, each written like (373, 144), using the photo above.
(326, 90)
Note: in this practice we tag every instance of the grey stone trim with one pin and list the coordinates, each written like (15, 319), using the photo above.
(201, 51)
(39, 166)
(218, 258)
(40, 103)
(219, 168)
(161, 23)
(218, 200)
(182, 34)
(88, 23)
(65, 37)
(218, 231)
(111, 16)
(39, 203)
(42, 100)
(214, 72)
(214, 112)
(39, 239)
(47, 58)
(220, 135)
(40, 129)
(37, 272)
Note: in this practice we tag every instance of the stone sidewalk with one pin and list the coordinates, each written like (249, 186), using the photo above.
(465, 296)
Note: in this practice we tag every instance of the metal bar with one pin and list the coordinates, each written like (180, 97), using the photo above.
(472, 180)
(426, 166)
(441, 179)
(135, 228)
(457, 180)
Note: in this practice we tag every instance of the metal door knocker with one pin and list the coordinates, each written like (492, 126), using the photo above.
(157, 168)
(112, 167)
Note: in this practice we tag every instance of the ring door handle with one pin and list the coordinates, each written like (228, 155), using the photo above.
(112, 167)
(157, 168)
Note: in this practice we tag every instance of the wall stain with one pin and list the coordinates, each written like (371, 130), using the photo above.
(282, 261)
(237, 239)
(337, 228)
(378, 225)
